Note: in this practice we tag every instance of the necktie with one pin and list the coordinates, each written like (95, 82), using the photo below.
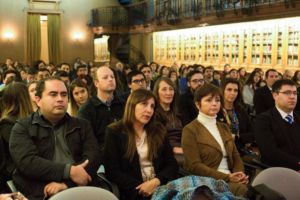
(289, 119)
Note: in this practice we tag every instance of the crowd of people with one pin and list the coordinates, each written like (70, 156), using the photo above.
(142, 123)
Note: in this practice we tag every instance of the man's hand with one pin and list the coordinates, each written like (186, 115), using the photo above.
(78, 174)
(147, 188)
(53, 188)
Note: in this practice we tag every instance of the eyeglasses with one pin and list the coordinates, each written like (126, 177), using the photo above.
(289, 93)
(197, 80)
(138, 81)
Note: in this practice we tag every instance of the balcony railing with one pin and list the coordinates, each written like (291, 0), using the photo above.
(173, 11)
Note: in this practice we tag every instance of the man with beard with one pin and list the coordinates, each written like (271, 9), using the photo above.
(104, 107)
(187, 108)
(277, 130)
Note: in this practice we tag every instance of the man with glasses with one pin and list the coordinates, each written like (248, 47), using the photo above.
(277, 131)
(135, 80)
(187, 108)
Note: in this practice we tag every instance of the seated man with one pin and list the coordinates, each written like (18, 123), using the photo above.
(277, 131)
(52, 151)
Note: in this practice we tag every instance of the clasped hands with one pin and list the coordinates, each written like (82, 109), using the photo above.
(239, 177)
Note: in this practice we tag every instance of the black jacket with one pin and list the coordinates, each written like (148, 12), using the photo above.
(187, 108)
(100, 115)
(127, 174)
(245, 126)
(277, 140)
(263, 99)
(32, 145)
(6, 164)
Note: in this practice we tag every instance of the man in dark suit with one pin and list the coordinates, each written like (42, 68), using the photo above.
(277, 131)
(263, 99)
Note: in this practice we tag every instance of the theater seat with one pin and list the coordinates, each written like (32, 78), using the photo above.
(84, 192)
(280, 179)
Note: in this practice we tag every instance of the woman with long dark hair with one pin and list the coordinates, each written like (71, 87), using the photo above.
(233, 114)
(137, 157)
(15, 104)
(166, 93)
(251, 84)
(79, 94)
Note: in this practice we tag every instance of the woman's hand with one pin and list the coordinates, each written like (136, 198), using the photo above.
(53, 188)
(238, 177)
(147, 188)
(11, 196)
(177, 150)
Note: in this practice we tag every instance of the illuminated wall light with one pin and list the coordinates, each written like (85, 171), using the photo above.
(8, 35)
(77, 36)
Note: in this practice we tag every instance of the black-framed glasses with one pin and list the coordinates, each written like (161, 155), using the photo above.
(288, 93)
(198, 81)
(138, 81)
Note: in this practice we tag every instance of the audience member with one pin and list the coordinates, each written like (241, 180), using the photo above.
(208, 146)
(79, 94)
(52, 151)
(15, 104)
(138, 158)
(148, 75)
(277, 130)
(42, 74)
(263, 99)
(187, 108)
(208, 74)
(251, 84)
(32, 90)
(165, 92)
(234, 115)
(105, 107)
(288, 74)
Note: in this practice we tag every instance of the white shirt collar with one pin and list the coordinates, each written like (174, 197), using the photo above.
(284, 114)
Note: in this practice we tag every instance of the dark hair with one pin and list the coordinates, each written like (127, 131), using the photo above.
(208, 67)
(279, 83)
(61, 73)
(43, 70)
(31, 71)
(81, 66)
(238, 101)
(250, 79)
(155, 130)
(40, 87)
(295, 78)
(74, 106)
(15, 101)
(161, 69)
(144, 66)
(131, 74)
(205, 90)
(173, 105)
(268, 71)
(191, 74)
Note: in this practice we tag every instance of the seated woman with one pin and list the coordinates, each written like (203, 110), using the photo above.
(234, 114)
(31, 89)
(251, 84)
(165, 92)
(208, 146)
(15, 104)
(137, 157)
(79, 94)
